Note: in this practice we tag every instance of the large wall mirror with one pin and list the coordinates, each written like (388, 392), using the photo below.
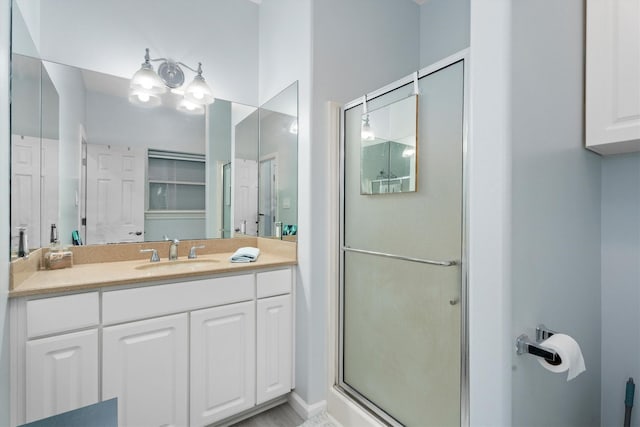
(86, 158)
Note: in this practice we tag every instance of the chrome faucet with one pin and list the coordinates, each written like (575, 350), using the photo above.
(173, 248)
(192, 252)
(154, 254)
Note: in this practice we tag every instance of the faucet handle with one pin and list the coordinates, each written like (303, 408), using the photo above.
(192, 251)
(154, 254)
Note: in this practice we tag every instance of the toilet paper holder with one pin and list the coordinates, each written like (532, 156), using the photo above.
(525, 345)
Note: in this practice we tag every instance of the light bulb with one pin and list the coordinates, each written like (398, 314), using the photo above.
(189, 107)
(408, 152)
(143, 97)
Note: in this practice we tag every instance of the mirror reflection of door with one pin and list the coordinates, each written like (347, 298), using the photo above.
(115, 194)
(226, 201)
(245, 184)
(25, 186)
(268, 195)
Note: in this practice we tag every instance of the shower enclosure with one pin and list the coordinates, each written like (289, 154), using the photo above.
(402, 326)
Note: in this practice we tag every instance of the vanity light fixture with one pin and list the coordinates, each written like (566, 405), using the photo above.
(146, 86)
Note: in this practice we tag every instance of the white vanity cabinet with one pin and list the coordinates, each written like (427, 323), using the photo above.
(222, 362)
(186, 353)
(612, 89)
(61, 373)
(56, 355)
(274, 335)
(145, 365)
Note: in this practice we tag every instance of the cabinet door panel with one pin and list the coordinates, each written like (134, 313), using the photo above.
(273, 347)
(222, 362)
(61, 374)
(145, 367)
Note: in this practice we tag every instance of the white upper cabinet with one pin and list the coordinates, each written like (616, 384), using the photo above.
(613, 76)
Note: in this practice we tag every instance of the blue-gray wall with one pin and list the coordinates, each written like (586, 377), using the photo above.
(5, 27)
(620, 283)
(358, 46)
(555, 213)
(444, 29)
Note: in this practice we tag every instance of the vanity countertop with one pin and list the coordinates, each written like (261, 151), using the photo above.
(102, 274)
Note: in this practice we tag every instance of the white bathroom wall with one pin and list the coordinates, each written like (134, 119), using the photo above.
(489, 214)
(5, 28)
(358, 46)
(285, 56)
(218, 153)
(114, 120)
(555, 236)
(620, 285)
(26, 27)
(444, 29)
(111, 37)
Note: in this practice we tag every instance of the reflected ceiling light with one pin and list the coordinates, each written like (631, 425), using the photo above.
(408, 152)
(294, 127)
(144, 99)
(367, 133)
(189, 107)
(170, 75)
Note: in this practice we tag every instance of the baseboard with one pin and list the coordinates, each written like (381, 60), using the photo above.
(303, 409)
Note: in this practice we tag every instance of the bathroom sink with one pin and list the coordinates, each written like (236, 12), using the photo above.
(178, 265)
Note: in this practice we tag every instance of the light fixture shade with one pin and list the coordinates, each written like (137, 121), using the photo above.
(186, 106)
(199, 92)
(144, 99)
(146, 80)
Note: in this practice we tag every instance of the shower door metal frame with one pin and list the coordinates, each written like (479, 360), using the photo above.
(339, 384)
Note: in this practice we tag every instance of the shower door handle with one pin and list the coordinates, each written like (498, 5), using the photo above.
(450, 263)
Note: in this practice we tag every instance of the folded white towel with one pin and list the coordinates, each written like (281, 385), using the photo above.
(247, 254)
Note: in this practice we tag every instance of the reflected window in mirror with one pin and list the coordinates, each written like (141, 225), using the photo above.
(176, 195)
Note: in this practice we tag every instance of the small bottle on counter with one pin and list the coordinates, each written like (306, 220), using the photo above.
(23, 245)
(279, 229)
(54, 234)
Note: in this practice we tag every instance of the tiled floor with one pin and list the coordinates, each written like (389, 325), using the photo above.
(280, 416)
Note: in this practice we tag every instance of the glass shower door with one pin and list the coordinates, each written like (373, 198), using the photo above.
(401, 342)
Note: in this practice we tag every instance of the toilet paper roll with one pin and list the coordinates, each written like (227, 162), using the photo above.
(570, 353)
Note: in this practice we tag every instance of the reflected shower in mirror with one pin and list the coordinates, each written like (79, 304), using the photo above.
(278, 166)
(388, 148)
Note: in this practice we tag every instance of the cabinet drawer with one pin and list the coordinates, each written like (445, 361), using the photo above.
(61, 314)
(272, 283)
(151, 301)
